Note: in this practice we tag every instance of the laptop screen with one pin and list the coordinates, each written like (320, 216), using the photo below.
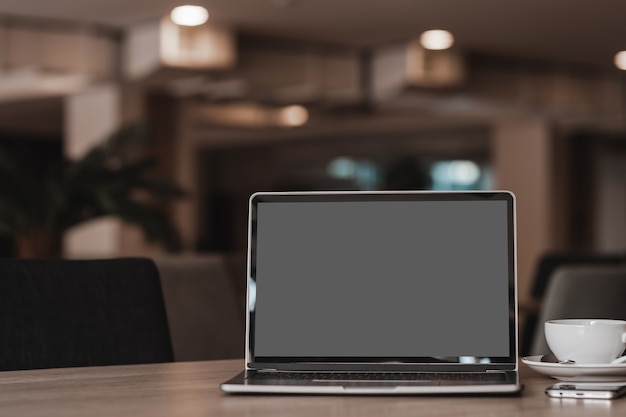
(375, 277)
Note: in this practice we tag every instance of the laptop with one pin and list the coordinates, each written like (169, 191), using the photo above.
(380, 293)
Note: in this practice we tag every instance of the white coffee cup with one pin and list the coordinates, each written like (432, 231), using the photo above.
(587, 341)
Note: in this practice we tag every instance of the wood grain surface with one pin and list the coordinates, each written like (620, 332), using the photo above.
(191, 389)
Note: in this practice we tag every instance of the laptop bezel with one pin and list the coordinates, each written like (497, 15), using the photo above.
(379, 363)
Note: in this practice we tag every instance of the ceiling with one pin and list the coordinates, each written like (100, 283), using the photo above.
(572, 31)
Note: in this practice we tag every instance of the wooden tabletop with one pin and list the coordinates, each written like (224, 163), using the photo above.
(191, 389)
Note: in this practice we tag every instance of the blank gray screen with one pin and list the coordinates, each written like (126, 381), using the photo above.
(382, 279)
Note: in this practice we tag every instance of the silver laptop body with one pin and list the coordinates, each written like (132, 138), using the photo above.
(381, 293)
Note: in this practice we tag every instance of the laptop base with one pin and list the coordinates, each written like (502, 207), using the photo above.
(246, 383)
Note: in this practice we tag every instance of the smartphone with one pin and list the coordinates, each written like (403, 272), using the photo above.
(605, 391)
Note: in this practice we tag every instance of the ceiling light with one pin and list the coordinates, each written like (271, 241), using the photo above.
(620, 60)
(293, 116)
(189, 15)
(436, 39)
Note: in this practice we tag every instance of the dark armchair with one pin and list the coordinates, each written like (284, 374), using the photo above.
(67, 313)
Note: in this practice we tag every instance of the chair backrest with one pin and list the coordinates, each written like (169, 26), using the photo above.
(67, 313)
(581, 292)
(546, 266)
(550, 262)
(206, 321)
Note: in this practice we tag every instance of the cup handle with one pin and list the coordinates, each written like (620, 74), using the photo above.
(621, 359)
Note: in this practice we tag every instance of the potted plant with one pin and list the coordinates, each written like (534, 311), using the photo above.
(38, 202)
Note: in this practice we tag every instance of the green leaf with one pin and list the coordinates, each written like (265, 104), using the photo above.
(105, 181)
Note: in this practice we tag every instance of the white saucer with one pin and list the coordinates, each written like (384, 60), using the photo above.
(578, 373)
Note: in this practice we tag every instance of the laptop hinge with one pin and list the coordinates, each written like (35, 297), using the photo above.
(500, 370)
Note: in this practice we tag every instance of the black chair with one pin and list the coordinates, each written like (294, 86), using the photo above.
(546, 267)
(68, 313)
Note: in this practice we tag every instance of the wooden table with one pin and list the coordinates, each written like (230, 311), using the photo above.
(191, 389)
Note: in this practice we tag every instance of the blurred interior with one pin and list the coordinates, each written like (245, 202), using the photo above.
(324, 95)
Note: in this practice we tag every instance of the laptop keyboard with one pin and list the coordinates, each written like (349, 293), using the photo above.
(382, 376)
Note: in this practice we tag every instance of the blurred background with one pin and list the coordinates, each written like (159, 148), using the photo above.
(304, 95)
